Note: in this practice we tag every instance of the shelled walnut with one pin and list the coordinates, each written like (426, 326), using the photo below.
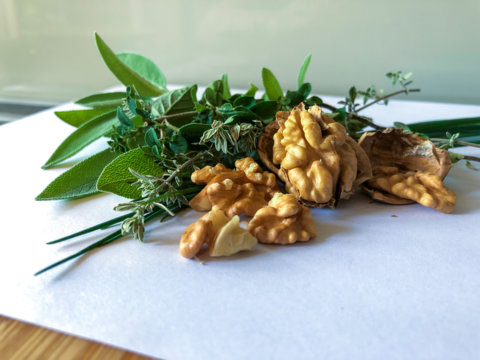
(283, 221)
(407, 168)
(222, 236)
(319, 163)
(240, 191)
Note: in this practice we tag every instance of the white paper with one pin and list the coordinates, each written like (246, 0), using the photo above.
(371, 286)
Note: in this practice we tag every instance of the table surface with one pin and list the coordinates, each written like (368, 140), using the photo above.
(19, 340)
(371, 285)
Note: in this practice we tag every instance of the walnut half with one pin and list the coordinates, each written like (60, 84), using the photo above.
(220, 234)
(283, 221)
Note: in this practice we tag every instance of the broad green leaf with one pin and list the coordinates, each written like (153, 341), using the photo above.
(151, 138)
(175, 102)
(117, 178)
(79, 117)
(303, 70)
(123, 118)
(102, 100)
(265, 109)
(83, 136)
(78, 181)
(178, 144)
(226, 88)
(271, 85)
(136, 76)
(144, 67)
(193, 130)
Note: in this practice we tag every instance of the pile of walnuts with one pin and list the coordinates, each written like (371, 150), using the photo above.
(319, 164)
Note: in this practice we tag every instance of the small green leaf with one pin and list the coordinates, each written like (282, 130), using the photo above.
(271, 85)
(79, 117)
(303, 70)
(80, 180)
(83, 136)
(178, 144)
(123, 118)
(404, 127)
(151, 138)
(117, 178)
(134, 70)
(226, 88)
(252, 91)
(470, 165)
(102, 100)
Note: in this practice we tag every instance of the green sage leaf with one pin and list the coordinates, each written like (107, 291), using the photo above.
(83, 136)
(102, 100)
(78, 181)
(116, 177)
(303, 70)
(175, 102)
(252, 91)
(271, 85)
(139, 72)
(79, 117)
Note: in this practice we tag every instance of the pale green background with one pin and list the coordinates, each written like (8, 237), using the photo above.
(47, 51)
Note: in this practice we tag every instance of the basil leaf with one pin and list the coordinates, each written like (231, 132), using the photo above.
(303, 70)
(86, 134)
(137, 76)
(116, 177)
(102, 100)
(271, 85)
(78, 181)
(79, 117)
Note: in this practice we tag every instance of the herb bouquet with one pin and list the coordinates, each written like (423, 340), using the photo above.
(158, 137)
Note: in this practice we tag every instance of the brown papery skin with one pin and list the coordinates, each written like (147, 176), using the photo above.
(407, 168)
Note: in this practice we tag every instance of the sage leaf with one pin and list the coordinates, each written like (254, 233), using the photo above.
(144, 67)
(303, 70)
(102, 100)
(123, 118)
(86, 134)
(79, 117)
(116, 177)
(271, 85)
(78, 181)
(175, 102)
(139, 72)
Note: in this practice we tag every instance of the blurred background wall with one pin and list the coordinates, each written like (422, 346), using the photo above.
(47, 50)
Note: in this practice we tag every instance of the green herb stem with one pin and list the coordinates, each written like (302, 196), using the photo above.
(176, 116)
(102, 226)
(459, 142)
(381, 98)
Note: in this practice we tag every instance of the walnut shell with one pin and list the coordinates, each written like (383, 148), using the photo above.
(312, 154)
(413, 157)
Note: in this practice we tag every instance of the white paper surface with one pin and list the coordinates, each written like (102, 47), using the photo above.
(371, 286)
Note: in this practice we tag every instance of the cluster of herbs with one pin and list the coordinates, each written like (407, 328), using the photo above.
(158, 137)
